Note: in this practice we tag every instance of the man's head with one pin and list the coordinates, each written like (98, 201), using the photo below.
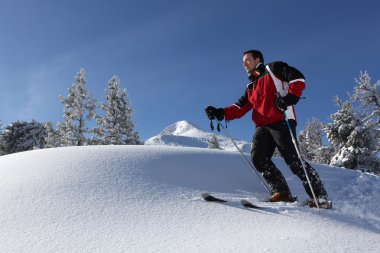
(251, 59)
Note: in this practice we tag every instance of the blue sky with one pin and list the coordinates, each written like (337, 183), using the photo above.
(176, 57)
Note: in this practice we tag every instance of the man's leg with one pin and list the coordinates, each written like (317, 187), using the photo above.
(282, 137)
(263, 147)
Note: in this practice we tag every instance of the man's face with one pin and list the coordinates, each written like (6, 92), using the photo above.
(249, 63)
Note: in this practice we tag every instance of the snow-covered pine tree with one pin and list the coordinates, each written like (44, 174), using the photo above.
(368, 95)
(310, 139)
(1, 138)
(310, 143)
(353, 139)
(363, 143)
(343, 123)
(22, 136)
(79, 108)
(53, 138)
(325, 154)
(213, 143)
(116, 126)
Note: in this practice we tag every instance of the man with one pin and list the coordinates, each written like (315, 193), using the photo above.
(273, 91)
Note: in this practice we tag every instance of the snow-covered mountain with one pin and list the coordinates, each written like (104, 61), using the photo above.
(147, 199)
(186, 134)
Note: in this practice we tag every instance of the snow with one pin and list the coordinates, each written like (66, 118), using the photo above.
(147, 199)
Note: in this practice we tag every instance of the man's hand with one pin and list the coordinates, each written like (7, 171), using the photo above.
(213, 113)
(282, 103)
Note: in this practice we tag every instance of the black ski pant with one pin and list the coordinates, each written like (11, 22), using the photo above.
(265, 141)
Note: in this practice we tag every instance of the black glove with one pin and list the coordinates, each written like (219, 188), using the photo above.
(213, 113)
(283, 102)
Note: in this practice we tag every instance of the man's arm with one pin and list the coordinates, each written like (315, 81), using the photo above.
(238, 109)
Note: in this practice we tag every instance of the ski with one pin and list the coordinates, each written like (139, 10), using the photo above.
(243, 202)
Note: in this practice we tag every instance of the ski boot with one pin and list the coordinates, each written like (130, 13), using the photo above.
(323, 202)
(282, 197)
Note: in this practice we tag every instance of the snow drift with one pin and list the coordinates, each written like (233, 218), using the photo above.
(146, 199)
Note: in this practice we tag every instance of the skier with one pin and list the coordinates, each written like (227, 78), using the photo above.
(274, 90)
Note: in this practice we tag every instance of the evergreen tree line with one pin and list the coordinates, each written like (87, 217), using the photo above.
(113, 127)
(353, 134)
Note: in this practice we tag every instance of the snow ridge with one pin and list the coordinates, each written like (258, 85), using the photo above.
(147, 199)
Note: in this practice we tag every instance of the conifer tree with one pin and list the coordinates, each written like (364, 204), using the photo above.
(22, 136)
(310, 143)
(116, 126)
(213, 143)
(368, 95)
(79, 108)
(353, 139)
(310, 139)
(53, 138)
(1, 138)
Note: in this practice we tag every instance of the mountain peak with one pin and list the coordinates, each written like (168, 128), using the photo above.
(186, 134)
(182, 127)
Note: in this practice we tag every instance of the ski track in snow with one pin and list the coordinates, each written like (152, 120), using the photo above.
(147, 199)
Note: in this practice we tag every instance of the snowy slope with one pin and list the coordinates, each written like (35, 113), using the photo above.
(186, 134)
(146, 199)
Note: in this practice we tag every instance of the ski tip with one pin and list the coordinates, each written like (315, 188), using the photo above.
(205, 195)
(248, 204)
(209, 197)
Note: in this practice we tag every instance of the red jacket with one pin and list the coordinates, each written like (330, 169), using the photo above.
(277, 78)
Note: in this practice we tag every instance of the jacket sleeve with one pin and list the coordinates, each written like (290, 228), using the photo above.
(291, 75)
(238, 109)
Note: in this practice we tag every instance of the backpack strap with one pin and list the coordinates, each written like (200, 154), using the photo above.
(282, 88)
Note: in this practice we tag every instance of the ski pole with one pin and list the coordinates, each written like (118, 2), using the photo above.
(300, 158)
(245, 158)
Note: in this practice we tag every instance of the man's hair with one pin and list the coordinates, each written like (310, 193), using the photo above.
(255, 54)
